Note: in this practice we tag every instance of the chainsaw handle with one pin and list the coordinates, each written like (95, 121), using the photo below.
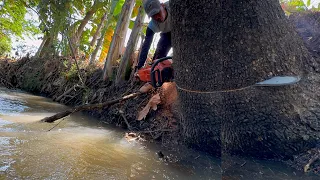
(154, 82)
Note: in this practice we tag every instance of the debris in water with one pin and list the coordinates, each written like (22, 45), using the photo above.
(133, 137)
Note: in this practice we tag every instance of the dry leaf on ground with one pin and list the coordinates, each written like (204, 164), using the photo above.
(153, 102)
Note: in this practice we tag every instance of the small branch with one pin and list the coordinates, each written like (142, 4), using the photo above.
(312, 160)
(56, 125)
(88, 107)
(6, 83)
(68, 91)
(159, 130)
(75, 59)
(243, 164)
(125, 119)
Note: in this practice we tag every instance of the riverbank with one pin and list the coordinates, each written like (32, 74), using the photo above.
(57, 78)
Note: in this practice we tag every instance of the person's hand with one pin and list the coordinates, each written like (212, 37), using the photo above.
(146, 88)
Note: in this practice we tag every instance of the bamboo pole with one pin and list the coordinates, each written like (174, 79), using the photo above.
(131, 45)
(117, 38)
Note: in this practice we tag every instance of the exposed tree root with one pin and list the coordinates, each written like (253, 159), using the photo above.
(125, 119)
(68, 91)
(311, 161)
(5, 83)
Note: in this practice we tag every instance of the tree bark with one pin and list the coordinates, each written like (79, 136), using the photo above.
(130, 46)
(99, 44)
(118, 38)
(242, 43)
(101, 39)
(75, 39)
(44, 40)
(48, 46)
(99, 28)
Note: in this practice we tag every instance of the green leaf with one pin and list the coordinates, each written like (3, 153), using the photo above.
(113, 5)
(300, 9)
(139, 2)
(5, 45)
(131, 24)
(308, 3)
(118, 7)
(296, 3)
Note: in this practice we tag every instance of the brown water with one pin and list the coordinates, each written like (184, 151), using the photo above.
(84, 148)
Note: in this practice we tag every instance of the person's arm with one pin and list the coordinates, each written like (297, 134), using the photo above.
(145, 47)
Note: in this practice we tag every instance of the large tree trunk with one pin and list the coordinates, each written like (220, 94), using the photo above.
(242, 43)
(131, 45)
(48, 48)
(118, 38)
(44, 40)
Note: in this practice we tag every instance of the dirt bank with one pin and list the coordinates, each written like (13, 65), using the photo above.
(57, 78)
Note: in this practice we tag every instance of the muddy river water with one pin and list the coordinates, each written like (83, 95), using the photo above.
(81, 147)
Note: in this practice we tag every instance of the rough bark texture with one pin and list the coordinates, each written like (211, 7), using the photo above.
(307, 26)
(44, 40)
(100, 40)
(48, 47)
(75, 39)
(99, 28)
(118, 38)
(130, 46)
(242, 43)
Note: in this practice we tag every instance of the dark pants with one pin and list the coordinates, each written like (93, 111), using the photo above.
(163, 46)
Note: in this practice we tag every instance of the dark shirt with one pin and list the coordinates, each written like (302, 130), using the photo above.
(145, 47)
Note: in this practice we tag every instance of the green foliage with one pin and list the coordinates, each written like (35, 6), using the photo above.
(65, 16)
(5, 45)
(14, 23)
(55, 16)
(84, 43)
(308, 2)
(117, 6)
(12, 18)
(58, 18)
(71, 74)
(292, 6)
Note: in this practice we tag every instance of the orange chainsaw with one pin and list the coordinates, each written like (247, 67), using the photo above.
(159, 72)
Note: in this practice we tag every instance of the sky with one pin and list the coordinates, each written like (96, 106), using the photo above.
(35, 42)
(313, 2)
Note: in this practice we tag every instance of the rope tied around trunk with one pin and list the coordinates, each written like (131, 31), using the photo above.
(212, 92)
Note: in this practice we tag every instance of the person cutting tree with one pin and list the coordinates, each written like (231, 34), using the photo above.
(160, 22)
